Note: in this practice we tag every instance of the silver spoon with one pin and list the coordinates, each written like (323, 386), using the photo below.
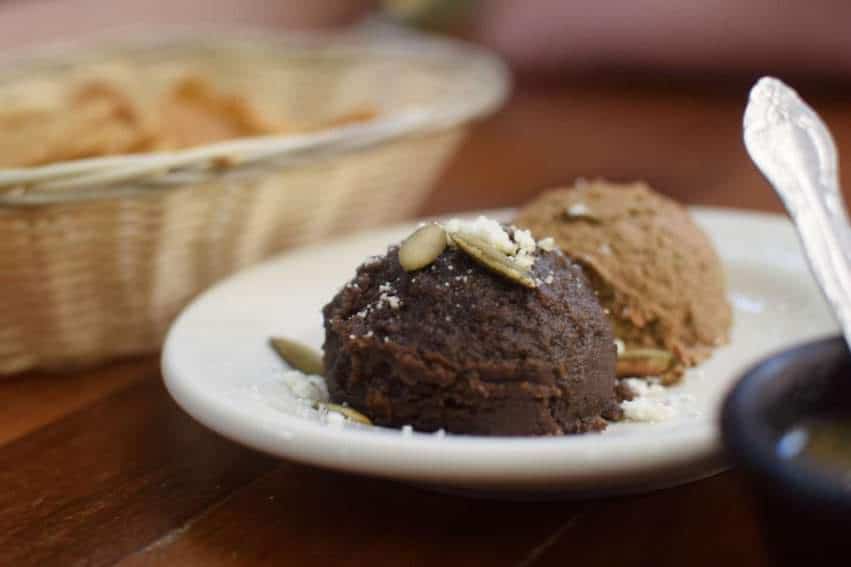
(794, 150)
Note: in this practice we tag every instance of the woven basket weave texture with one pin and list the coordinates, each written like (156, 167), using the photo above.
(87, 277)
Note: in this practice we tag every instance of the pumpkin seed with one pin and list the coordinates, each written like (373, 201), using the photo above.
(493, 259)
(299, 356)
(644, 362)
(422, 247)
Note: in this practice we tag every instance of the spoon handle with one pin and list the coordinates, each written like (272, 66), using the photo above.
(794, 150)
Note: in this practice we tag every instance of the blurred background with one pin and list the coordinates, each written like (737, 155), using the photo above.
(624, 89)
(694, 38)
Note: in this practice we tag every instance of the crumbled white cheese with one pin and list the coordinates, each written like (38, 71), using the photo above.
(305, 386)
(386, 290)
(486, 229)
(578, 210)
(547, 244)
(645, 387)
(335, 419)
(385, 298)
(549, 279)
(524, 260)
(452, 225)
(647, 409)
(524, 240)
(619, 345)
(653, 402)
(605, 249)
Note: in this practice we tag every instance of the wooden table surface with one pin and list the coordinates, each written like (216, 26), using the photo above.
(101, 466)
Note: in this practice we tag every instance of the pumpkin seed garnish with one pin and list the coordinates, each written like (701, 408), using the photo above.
(422, 247)
(493, 259)
(307, 360)
(346, 411)
(299, 356)
(644, 362)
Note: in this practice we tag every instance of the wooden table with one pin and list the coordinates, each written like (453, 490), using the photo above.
(101, 466)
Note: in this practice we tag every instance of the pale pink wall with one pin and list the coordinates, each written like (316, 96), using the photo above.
(760, 36)
(26, 22)
(809, 36)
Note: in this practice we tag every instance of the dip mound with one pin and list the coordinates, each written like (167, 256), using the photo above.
(655, 271)
(460, 347)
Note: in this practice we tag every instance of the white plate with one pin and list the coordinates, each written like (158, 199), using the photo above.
(218, 367)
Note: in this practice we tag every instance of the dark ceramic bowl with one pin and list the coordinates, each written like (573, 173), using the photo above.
(805, 512)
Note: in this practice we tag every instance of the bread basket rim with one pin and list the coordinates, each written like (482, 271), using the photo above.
(486, 80)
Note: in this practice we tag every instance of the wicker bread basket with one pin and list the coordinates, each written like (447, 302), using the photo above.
(98, 255)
